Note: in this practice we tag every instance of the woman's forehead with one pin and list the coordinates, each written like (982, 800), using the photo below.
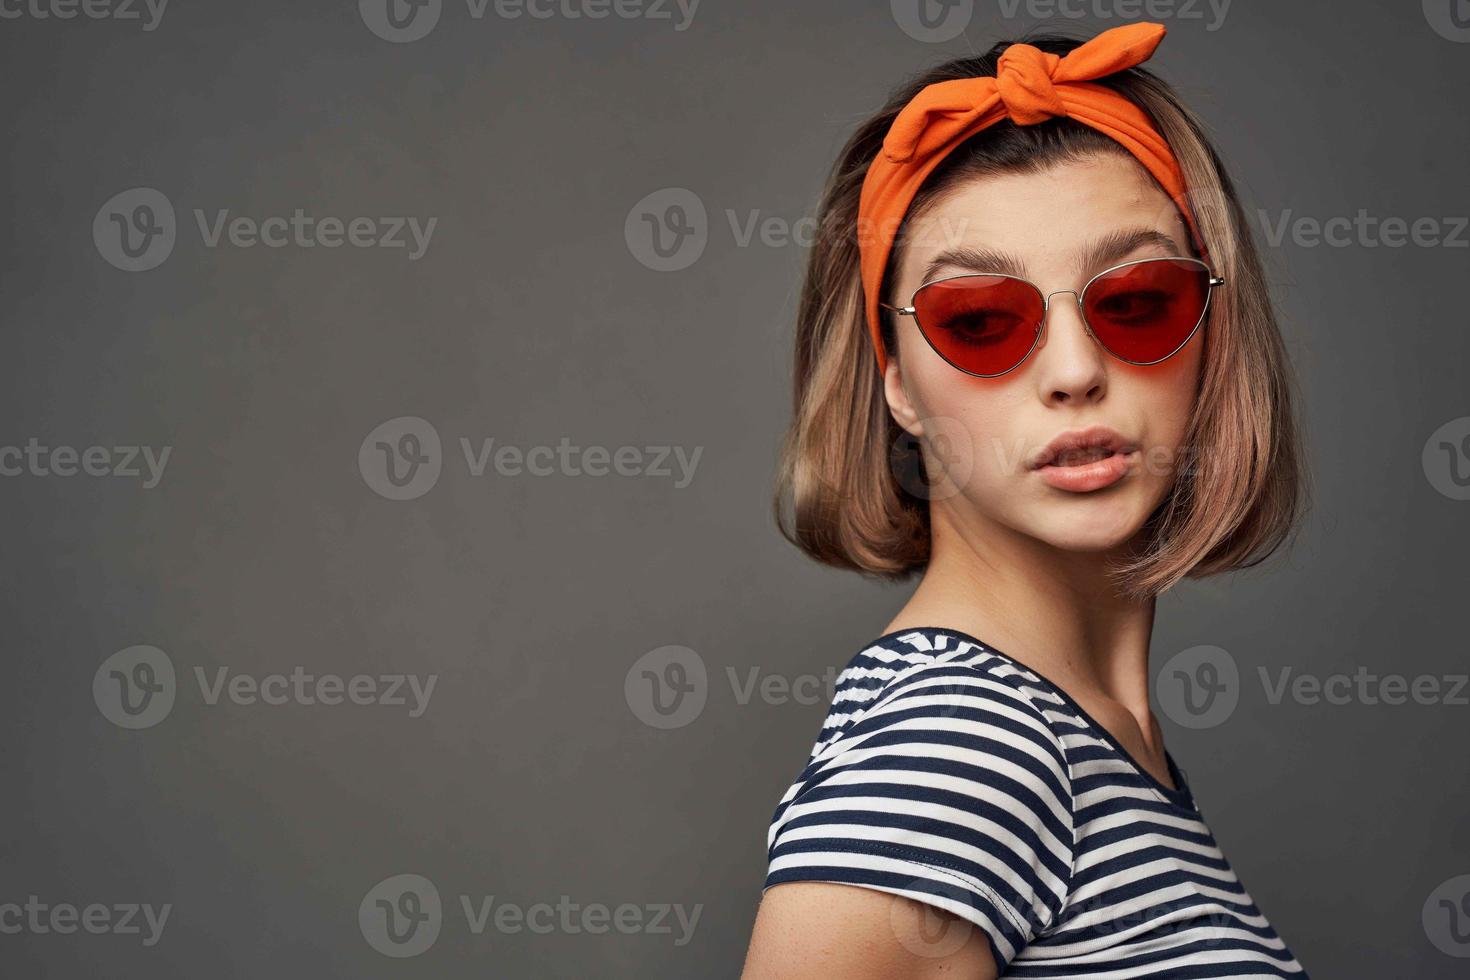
(1080, 208)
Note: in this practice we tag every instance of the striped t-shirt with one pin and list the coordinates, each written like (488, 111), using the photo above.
(949, 773)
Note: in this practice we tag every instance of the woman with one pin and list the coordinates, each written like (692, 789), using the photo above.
(1036, 362)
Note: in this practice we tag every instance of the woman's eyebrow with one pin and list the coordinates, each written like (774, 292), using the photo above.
(974, 259)
(1114, 246)
(1105, 251)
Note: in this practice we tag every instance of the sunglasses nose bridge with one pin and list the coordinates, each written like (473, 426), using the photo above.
(1076, 297)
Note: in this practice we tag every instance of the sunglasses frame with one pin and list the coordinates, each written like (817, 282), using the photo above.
(1077, 295)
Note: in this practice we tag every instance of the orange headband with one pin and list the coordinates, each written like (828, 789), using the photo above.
(1030, 86)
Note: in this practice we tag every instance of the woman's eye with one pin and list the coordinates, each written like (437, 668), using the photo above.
(981, 326)
(1137, 305)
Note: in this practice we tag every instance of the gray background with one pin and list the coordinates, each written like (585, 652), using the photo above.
(530, 319)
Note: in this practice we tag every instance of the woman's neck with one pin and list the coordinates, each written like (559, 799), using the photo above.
(1057, 612)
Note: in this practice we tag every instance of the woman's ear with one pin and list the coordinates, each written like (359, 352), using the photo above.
(899, 404)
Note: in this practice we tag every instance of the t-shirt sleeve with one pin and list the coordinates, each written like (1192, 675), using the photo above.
(951, 790)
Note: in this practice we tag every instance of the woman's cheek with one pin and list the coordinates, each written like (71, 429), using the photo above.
(987, 457)
(1171, 406)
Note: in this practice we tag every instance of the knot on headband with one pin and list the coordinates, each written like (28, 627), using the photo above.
(1030, 86)
(1023, 80)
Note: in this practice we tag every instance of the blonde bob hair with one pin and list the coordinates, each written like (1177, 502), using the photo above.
(845, 490)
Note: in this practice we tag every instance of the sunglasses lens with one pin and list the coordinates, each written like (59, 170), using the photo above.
(983, 325)
(1145, 312)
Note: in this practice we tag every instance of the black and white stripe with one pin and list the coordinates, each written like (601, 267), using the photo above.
(953, 775)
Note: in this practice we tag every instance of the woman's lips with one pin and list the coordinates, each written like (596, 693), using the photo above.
(1087, 472)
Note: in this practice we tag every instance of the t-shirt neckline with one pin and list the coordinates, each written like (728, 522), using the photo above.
(1180, 797)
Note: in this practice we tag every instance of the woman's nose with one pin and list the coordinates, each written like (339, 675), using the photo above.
(1070, 362)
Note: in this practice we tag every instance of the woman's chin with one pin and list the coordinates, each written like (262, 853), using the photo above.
(1090, 529)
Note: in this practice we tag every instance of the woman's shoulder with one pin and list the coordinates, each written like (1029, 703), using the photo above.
(940, 777)
(902, 679)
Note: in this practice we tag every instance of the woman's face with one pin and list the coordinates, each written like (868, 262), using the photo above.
(1058, 229)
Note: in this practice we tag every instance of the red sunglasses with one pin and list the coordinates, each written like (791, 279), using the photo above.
(987, 324)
